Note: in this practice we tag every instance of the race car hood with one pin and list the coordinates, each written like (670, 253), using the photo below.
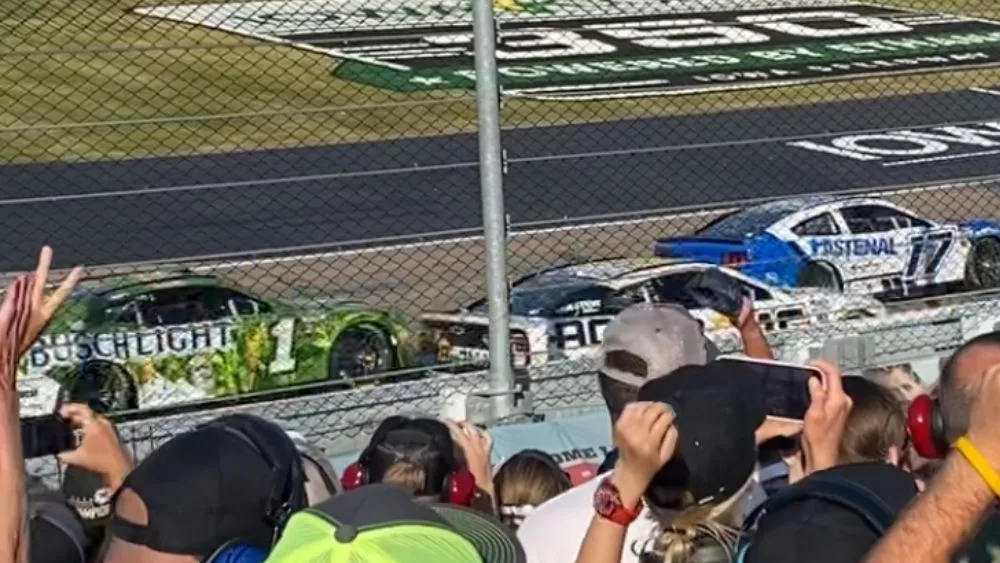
(821, 300)
(441, 319)
(980, 227)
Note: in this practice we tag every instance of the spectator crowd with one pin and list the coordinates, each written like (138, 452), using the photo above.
(877, 470)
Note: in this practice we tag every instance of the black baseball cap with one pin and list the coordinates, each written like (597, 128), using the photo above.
(820, 530)
(56, 534)
(89, 496)
(200, 489)
(382, 523)
(717, 411)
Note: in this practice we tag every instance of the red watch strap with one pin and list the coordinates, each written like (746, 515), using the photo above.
(608, 505)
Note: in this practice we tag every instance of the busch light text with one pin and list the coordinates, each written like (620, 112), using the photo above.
(60, 349)
(854, 247)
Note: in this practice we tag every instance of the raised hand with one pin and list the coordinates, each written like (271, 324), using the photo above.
(823, 427)
(476, 445)
(646, 438)
(44, 308)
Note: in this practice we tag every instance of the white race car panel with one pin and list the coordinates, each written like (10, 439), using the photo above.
(568, 336)
(877, 246)
(39, 395)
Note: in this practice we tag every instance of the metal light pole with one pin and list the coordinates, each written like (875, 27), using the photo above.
(501, 379)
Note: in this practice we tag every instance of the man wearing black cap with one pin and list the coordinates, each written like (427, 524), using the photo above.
(715, 411)
(191, 496)
(644, 342)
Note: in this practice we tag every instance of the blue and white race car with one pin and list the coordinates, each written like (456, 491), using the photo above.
(857, 244)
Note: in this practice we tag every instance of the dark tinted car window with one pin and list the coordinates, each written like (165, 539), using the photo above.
(822, 225)
(167, 307)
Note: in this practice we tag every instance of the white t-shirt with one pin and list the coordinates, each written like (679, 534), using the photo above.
(554, 531)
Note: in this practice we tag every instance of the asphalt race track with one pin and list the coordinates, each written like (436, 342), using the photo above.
(265, 203)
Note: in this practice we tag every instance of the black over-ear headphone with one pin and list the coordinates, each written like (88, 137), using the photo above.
(456, 485)
(277, 449)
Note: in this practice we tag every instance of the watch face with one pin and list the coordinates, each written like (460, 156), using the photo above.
(606, 500)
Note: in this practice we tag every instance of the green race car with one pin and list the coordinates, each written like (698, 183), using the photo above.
(166, 339)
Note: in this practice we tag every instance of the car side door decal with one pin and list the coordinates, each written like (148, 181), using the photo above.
(927, 252)
(574, 333)
(283, 333)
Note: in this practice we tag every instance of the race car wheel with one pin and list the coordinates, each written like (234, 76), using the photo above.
(104, 386)
(359, 351)
(983, 269)
(821, 275)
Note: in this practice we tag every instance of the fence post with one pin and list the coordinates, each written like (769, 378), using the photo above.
(501, 379)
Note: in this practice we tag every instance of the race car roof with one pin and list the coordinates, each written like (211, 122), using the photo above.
(593, 272)
(134, 285)
(753, 220)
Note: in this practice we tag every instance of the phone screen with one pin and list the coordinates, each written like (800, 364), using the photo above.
(786, 387)
(46, 435)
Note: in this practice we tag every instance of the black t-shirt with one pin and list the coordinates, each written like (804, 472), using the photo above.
(986, 547)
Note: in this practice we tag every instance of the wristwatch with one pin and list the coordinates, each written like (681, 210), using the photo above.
(608, 505)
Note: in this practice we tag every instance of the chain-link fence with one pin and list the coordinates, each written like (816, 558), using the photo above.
(286, 192)
(341, 422)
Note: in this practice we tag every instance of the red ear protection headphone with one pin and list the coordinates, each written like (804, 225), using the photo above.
(459, 486)
(926, 428)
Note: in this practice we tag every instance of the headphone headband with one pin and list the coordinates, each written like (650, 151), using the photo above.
(279, 452)
(457, 485)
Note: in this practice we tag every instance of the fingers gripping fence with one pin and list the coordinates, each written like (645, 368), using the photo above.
(282, 193)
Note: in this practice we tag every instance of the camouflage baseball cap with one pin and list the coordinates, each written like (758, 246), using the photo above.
(649, 340)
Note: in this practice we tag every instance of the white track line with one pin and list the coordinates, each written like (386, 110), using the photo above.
(534, 232)
(459, 240)
(945, 158)
(313, 252)
(258, 183)
(986, 91)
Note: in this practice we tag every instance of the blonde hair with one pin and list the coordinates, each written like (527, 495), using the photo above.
(682, 535)
(525, 481)
(406, 474)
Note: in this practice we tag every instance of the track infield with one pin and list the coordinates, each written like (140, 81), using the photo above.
(93, 80)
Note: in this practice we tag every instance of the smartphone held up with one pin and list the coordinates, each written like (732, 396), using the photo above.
(47, 435)
(785, 385)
